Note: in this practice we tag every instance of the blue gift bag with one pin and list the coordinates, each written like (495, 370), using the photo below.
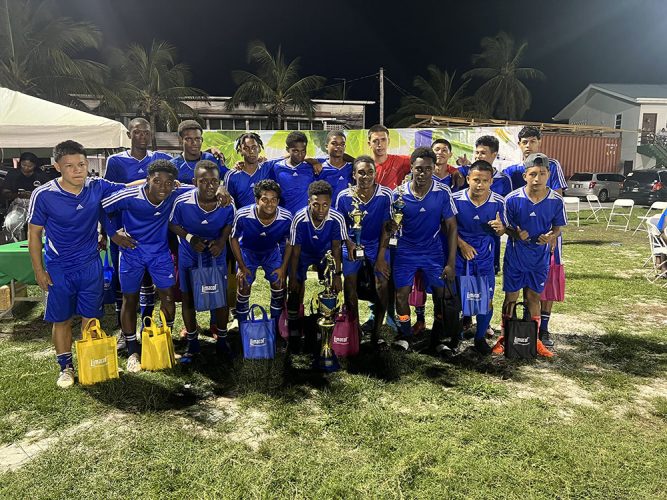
(109, 292)
(258, 335)
(474, 293)
(209, 285)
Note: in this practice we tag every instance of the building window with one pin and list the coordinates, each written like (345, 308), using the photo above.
(215, 124)
(617, 125)
(255, 124)
(227, 124)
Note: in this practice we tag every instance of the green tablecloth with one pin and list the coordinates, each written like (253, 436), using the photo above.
(15, 263)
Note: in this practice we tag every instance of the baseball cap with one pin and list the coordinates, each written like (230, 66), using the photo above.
(536, 159)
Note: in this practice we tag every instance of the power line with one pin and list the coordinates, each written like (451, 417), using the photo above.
(348, 82)
(401, 90)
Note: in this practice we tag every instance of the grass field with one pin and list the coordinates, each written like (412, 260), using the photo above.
(591, 423)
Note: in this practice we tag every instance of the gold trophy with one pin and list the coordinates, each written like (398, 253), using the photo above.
(327, 308)
(357, 215)
(397, 208)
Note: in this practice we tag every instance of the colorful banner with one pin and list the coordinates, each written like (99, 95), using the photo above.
(401, 141)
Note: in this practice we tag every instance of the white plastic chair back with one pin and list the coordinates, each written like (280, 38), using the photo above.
(619, 217)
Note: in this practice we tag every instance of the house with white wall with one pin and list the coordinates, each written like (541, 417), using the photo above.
(639, 111)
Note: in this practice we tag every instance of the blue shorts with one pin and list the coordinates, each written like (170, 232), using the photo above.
(134, 263)
(269, 262)
(406, 265)
(354, 266)
(305, 261)
(80, 291)
(515, 279)
(185, 264)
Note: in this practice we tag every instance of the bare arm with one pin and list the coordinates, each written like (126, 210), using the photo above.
(35, 249)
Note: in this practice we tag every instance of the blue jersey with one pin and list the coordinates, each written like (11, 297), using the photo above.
(338, 178)
(536, 218)
(293, 182)
(186, 168)
(256, 237)
(315, 241)
(556, 177)
(447, 181)
(69, 220)
(195, 220)
(146, 223)
(377, 211)
(420, 228)
(473, 227)
(240, 184)
(124, 168)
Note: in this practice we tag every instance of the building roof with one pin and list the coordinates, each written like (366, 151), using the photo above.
(634, 93)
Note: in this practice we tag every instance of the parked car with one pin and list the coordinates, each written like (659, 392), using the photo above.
(605, 186)
(645, 186)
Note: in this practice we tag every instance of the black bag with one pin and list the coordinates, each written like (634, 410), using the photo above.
(520, 337)
(366, 283)
(451, 312)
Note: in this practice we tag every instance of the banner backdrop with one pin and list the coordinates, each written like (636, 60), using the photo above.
(401, 141)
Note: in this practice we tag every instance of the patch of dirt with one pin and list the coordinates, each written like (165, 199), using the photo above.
(651, 312)
(551, 387)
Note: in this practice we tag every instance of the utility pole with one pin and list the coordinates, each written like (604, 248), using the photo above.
(381, 96)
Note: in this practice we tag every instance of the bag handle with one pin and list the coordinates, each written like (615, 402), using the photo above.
(517, 304)
(252, 312)
(93, 327)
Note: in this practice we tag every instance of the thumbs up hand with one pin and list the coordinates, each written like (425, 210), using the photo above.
(522, 234)
(497, 224)
(545, 239)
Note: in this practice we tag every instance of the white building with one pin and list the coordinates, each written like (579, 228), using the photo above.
(639, 111)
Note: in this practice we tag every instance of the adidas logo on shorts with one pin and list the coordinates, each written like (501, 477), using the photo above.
(204, 221)
(79, 206)
(533, 214)
(262, 233)
(476, 217)
(422, 209)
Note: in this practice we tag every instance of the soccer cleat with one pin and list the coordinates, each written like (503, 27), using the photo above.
(482, 347)
(402, 343)
(546, 339)
(121, 343)
(133, 363)
(368, 326)
(222, 348)
(499, 348)
(418, 327)
(543, 351)
(66, 378)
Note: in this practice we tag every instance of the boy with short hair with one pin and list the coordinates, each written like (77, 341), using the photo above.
(336, 167)
(535, 216)
(67, 209)
(190, 137)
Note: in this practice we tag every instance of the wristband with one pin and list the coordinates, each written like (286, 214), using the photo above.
(188, 237)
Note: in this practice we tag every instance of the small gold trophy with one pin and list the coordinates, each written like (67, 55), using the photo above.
(397, 208)
(357, 215)
(327, 307)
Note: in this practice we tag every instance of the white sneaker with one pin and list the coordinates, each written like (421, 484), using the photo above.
(134, 363)
(66, 378)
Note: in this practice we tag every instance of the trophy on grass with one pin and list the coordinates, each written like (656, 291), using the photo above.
(397, 208)
(357, 215)
(327, 307)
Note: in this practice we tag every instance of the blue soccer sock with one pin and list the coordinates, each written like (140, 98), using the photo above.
(421, 313)
(242, 306)
(483, 322)
(404, 326)
(544, 323)
(65, 360)
(193, 342)
(277, 299)
(132, 344)
(147, 301)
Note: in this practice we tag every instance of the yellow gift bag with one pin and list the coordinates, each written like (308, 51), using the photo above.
(96, 354)
(157, 348)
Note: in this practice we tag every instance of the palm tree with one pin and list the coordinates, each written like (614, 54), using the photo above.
(438, 96)
(499, 64)
(39, 49)
(151, 84)
(276, 84)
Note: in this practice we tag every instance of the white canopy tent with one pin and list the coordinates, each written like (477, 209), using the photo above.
(30, 123)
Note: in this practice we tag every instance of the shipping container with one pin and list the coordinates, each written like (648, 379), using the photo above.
(584, 153)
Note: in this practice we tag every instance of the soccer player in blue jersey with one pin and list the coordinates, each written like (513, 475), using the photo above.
(191, 139)
(125, 167)
(337, 168)
(429, 209)
(315, 229)
(442, 172)
(145, 214)
(535, 216)
(259, 232)
(530, 142)
(202, 227)
(240, 182)
(480, 221)
(375, 202)
(67, 210)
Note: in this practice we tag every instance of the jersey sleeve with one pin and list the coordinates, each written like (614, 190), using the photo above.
(175, 216)
(37, 211)
(448, 206)
(556, 177)
(113, 171)
(511, 212)
(295, 233)
(231, 215)
(237, 226)
(114, 203)
(502, 210)
(560, 217)
(108, 187)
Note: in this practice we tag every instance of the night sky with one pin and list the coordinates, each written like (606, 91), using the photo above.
(574, 42)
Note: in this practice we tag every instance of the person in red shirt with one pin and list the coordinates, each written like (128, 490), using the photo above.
(391, 169)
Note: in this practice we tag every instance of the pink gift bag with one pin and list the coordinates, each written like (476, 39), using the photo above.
(345, 336)
(554, 287)
(283, 329)
(417, 297)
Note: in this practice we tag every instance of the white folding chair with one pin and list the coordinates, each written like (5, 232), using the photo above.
(571, 207)
(595, 206)
(658, 206)
(618, 210)
(658, 254)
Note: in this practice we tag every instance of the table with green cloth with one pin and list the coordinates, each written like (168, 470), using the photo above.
(15, 264)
